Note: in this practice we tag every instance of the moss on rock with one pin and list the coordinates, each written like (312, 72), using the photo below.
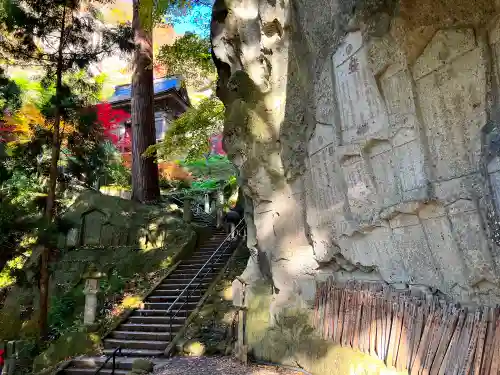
(291, 340)
(142, 366)
(67, 346)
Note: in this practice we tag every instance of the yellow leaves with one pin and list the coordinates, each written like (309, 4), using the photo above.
(116, 12)
(23, 124)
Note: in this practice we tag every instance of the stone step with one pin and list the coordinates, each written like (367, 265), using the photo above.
(175, 292)
(148, 331)
(193, 270)
(181, 284)
(192, 290)
(167, 289)
(140, 335)
(144, 312)
(95, 362)
(135, 344)
(198, 264)
(207, 250)
(200, 258)
(185, 282)
(165, 305)
(91, 371)
(215, 240)
(149, 327)
(151, 319)
(210, 247)
(171, 298)
(143, 353)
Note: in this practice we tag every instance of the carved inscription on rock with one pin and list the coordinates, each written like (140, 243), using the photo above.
(383, 165)
(361, 194)
(362, 110)
(472, 241)
(452, 97)
(438, 231)
(409, 238)
(328, 196)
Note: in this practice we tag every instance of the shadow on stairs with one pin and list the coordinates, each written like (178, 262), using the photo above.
(149, 331)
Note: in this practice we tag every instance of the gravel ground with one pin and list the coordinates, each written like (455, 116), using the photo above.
(216, 366)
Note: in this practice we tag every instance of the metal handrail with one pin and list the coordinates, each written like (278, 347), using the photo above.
(112, 355)
(170, 308)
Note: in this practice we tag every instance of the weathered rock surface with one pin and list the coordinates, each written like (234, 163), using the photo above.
(367, 134)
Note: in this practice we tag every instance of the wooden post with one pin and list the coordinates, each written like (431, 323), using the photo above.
(242, 348)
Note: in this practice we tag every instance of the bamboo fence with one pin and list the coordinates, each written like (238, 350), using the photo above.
(417, 334)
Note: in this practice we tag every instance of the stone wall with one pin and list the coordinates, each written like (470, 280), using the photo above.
(100, 220)
(367, 135)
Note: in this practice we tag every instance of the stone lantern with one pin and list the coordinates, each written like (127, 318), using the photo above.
(91, 289)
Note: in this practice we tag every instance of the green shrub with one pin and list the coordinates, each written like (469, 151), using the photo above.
(10, 323)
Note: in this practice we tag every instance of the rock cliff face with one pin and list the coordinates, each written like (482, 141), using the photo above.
(367, 134)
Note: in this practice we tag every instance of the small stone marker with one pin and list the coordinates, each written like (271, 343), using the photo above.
(91, 289)
(186, 210)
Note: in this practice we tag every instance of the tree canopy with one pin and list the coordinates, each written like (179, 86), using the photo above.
(190, 57)
(188, 136)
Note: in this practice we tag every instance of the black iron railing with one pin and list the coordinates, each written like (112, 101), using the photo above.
(196, 282)
(111, 356)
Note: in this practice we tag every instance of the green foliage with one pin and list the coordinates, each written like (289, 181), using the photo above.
(191, 58)
(119, 174)
(170, 10)
(215, 167)
(188, 136)
(116, 172)
(128, 272)
(26, 24)
(10, 94)
(7, 275)
(62, 313)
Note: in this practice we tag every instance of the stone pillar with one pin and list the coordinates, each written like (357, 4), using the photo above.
(186, 210)
(90, 291)
(207, 203)
(10, 358)
(220, 208)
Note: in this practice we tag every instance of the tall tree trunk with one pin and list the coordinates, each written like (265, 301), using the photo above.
(145, 184)
(51, 196)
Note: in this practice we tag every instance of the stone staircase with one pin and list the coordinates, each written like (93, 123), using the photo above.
(148, 331)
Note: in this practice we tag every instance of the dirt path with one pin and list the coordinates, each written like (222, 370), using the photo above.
(216, 366)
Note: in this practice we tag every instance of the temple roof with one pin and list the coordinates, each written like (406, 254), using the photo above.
(161, 85)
